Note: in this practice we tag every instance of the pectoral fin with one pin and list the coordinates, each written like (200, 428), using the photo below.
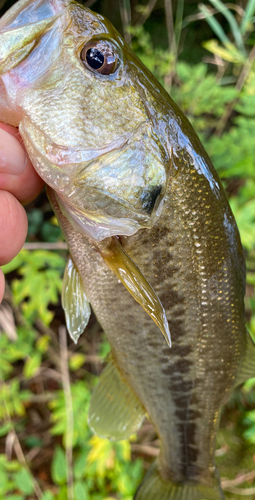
(115, 411)
(74, 302)
(132, 278)
(247, 369)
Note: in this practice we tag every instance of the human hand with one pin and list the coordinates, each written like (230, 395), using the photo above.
(19, 184)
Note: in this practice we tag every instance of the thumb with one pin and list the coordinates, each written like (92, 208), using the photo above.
(17, 174)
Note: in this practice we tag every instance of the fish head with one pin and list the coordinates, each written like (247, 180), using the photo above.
(93, 124)
(89, 113)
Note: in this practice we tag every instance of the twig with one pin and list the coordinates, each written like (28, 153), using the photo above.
(7, 323)
(49, 373)
(125, 13)
(9, 442)
(58, 245)
(145, 449)
(22, 460)
(41, 398)
(69, 411)
(46, 330)
(170, 26)
(238, 480)
(200, 16)
(14, 441)
(239, 85)
(147, 12)
(246, 69)
(241, 491)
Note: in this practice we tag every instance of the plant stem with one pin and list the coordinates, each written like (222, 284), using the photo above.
(69, 411)
(239, 85)
(19, 452)
(170, 26)
(147, 12)
(125, 12)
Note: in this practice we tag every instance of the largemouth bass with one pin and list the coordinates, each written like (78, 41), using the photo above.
(140, 205)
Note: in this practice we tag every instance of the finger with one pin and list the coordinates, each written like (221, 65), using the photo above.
(1, 285)
(13, 227)
(17, 174)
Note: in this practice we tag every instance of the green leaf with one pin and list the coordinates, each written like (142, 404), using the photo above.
(76, 361)
(232, 23)
(58, 466)
(80, 398)
(214, 24)
(81, 491)
(12, 399)
(24, 481)
(16, 497)
(9, 466)
(79, 469)
(247, 18)
(62, 495)
(4, 429)
(40, 284)
(230, 53)
(248, 385)
(32, 365)
(14, 264)
(42, 343)
(47, 495)
(34, 441)
(3, 482)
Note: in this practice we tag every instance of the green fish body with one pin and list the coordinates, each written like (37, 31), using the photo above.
(140, 205)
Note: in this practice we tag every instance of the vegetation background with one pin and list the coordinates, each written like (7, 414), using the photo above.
(204, 56)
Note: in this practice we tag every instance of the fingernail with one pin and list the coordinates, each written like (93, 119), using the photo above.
(13, 157)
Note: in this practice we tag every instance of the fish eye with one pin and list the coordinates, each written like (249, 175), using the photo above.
(100, 56)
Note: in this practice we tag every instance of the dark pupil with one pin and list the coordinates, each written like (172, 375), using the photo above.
(94, 58)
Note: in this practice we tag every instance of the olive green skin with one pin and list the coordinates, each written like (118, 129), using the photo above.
(193, 259)
(191, 254)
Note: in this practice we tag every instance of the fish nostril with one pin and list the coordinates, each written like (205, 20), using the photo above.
(149, 198)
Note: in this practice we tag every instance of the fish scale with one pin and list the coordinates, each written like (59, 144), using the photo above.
(181, 388)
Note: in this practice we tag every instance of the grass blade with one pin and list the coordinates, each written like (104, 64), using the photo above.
(178, 22)
(248, 16)
(214, 24)
(232, 23)
(170, 26)
(125, 12)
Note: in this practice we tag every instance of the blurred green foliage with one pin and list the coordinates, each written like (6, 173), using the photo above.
(56, 461)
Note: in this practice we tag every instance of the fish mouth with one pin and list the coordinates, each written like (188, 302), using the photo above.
(116, 192)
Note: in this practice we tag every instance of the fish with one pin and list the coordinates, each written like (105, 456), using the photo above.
(154, 246)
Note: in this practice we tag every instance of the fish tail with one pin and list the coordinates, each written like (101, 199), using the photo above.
(154, 488)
